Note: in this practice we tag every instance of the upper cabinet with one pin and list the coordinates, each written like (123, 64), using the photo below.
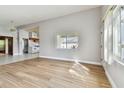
(33, 35)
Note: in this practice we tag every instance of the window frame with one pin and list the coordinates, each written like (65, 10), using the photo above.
(111, 54)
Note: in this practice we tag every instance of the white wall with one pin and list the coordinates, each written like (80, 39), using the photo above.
(4, 31)
(115, 71)
(6, 46)
(85, 23)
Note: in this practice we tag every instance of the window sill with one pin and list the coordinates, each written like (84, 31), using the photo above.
(118, 60)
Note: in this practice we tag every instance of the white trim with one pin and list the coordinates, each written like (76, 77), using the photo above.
(107, 11)
(72, 60)
(15, 54)
(118, 60)
(109, 76)
(110, 79)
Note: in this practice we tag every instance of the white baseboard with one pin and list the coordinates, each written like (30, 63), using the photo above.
(72, 60)
(15, 54)
(109, 77)
(110, 80)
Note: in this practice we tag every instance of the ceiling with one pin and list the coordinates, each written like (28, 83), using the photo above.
(26, 14)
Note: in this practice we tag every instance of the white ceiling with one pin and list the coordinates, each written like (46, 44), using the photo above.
(32, 13)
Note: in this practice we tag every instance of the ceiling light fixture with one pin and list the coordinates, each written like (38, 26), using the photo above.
(12, 27)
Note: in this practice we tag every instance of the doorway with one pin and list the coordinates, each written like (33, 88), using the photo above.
(10, 45)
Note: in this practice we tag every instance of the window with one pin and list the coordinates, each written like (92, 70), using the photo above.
(122, 33)
(118, 32)
(61, 41)
(72, 42)
(108, 37)
(67, 41)
(114, 34)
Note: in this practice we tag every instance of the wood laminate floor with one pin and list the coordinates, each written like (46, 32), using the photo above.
(51, 73)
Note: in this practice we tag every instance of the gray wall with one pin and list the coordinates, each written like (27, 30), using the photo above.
(85, 23)
(115, 70)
